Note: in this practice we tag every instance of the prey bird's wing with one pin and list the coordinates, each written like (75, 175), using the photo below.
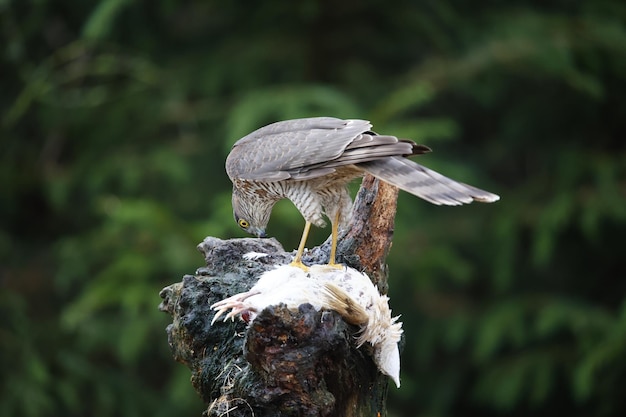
(425, 183)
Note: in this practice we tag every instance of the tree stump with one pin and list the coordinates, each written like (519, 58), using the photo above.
(287, 362)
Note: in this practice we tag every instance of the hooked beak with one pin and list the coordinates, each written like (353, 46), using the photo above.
(258, 232)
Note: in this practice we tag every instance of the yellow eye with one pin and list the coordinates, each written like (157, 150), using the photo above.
(243, 223)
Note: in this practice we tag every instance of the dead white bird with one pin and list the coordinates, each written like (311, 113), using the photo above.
(346, 291)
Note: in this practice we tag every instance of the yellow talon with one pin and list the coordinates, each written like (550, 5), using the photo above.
(299, 265)
(297, 261)
(333, 243)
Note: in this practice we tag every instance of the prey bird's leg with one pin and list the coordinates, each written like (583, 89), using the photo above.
(235, 302)
(297, 261)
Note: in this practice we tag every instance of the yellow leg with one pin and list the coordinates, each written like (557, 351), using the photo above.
(333, 241)
(297, 261)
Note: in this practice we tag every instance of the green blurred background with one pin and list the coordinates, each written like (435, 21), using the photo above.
(117, 116)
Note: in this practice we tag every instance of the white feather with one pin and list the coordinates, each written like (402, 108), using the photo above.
(252, 256)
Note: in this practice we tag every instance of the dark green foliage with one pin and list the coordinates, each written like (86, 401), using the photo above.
(117, 117)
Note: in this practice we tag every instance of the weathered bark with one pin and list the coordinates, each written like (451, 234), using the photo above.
(287, 362)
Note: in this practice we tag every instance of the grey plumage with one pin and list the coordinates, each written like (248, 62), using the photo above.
(310, 161)
(305, 148)
(425, 183)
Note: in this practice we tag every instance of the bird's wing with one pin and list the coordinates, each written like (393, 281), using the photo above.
(282, 150)
(370, 146)
(309, 148)
(425, 183)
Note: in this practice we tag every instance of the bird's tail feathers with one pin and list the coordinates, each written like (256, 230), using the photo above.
(426, 183)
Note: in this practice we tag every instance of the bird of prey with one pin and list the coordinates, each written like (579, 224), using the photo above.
(310, 162)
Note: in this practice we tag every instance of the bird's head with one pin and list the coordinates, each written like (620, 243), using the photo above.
(251, 214)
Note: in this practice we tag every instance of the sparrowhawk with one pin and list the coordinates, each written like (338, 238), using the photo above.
(310, 162)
